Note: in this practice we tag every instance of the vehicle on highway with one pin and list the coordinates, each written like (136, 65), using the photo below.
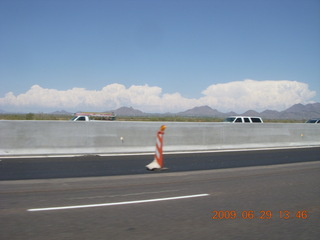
(93, 116)
(313, 120)
(243, 119)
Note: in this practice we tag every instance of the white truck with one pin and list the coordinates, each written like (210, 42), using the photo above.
(243, 119)
(93, 116)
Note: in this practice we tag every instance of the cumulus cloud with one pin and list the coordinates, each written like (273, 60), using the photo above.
(257, 95)
(109, 97)
(235, 96)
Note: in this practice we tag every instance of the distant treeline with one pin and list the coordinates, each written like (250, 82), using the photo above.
(33, 116)
(63, 117)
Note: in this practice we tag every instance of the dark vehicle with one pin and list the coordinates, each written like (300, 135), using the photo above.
(313, 120)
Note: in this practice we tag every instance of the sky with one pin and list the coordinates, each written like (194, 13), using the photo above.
(158, 55)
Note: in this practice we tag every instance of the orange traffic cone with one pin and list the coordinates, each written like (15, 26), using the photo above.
(157, 163)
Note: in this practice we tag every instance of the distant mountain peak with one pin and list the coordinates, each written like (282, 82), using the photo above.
(250, 113)
(295, 108)
(61, 112)
(128, 111)
(204, 111)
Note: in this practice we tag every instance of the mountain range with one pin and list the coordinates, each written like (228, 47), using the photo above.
(295, 112)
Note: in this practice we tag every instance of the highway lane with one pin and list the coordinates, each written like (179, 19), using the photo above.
(251, 192)
(93, 166)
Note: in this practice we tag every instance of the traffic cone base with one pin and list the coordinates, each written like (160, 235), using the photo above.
(153, 165)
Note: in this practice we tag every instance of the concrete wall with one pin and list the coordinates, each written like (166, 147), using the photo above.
(66, 137)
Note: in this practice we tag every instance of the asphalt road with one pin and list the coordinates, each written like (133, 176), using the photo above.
(264, 201)
(93, 166)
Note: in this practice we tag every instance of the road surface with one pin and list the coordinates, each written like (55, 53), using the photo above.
(256, 201)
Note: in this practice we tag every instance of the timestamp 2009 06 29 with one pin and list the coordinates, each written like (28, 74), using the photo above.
(263, 214)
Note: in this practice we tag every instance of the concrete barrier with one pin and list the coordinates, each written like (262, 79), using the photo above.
(66, 137)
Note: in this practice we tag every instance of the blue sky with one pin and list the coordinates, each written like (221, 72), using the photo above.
(158, 56)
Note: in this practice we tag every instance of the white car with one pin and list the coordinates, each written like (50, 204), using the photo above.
(243, 119)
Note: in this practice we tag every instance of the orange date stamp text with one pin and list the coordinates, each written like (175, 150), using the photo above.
(263, 214)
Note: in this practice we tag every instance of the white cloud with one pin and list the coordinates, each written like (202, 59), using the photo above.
(257, 95)
(237, 96)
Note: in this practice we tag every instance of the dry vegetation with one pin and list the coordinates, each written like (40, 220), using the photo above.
(57, 117)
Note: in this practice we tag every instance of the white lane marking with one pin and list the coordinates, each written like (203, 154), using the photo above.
(117, 203)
